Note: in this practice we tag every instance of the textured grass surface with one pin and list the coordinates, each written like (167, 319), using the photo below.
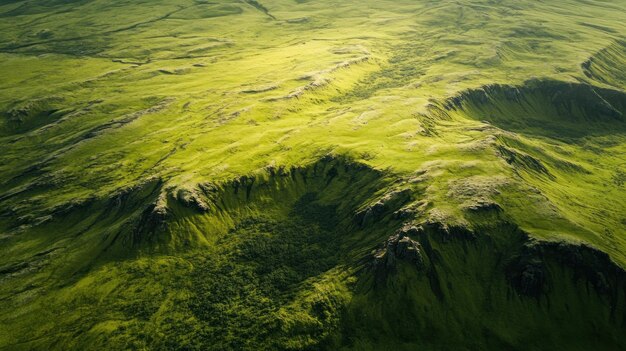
(194, 174)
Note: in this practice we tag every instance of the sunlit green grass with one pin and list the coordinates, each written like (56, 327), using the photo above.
(109, 107)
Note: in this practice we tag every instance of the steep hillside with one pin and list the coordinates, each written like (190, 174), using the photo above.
(312, 175)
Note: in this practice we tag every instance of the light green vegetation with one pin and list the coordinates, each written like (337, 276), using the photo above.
(193, 174)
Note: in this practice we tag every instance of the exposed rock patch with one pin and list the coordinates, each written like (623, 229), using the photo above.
(389, 202)
(477, 193)
(399, 247)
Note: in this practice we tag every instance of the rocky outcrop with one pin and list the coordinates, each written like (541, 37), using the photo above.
(483, 206)
(389, 202)
(152, 219)
(192, 198)
(399, 247)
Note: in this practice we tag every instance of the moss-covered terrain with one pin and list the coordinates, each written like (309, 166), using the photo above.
(312, 175)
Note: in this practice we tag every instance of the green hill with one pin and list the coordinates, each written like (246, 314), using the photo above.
(312, 175)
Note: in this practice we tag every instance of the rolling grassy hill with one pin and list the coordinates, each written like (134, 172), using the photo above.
(312, 175)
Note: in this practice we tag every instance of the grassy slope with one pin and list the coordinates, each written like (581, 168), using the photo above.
(103, 117)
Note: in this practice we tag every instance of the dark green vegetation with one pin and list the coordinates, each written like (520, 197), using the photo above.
(312, 175)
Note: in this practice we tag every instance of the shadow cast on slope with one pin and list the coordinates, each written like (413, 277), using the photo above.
(545, 108)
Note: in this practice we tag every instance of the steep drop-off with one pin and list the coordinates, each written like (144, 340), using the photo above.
(328, 256)
(553, 109)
